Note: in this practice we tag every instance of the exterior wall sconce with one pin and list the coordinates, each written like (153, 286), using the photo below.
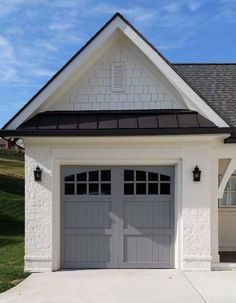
(196, 174)
(38, 174)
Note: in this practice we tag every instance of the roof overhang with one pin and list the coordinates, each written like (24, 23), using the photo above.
(115, 123)
(192, 97)
(129, 132)
(232, 138)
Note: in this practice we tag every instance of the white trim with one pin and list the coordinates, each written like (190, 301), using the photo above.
(227, 246)
(229, 210)
(127, 139)
(214, 211)
(197, 258)
(225, 151)
(37, 258)
(223, 266)
(184, 89)
(94, 160)
(178, 216)
(229, 171)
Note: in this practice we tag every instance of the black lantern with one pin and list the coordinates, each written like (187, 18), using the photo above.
(38, 174)
(196, 174)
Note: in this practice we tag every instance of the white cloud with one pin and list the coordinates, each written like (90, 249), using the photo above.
(40, 72)
(177, 6)
(7, 73)
(3, 108)
(173, 7)
(138, 14)
(226, 12)
(7, 59)
(15, 69)
(177, 44)
(6, 50)
(60, 26)
(8, 7)
(47, 46)
(193, 5)
(68, 4)
(14, 30)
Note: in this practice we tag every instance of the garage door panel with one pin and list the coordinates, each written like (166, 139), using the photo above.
(87, 214)
(141, 231)
(87, 249)
(87, 231)
(162, 213)
(147, 214)
(147, 248)
(117, 217)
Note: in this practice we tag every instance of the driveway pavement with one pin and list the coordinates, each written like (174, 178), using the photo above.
(124, 286)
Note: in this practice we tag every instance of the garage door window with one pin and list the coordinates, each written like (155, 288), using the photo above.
(139, 182)
(97, 182)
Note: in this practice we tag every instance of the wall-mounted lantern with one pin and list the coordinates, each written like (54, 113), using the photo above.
(38, 174)
(196, 174)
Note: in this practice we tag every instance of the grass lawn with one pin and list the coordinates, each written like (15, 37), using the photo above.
(11, 220)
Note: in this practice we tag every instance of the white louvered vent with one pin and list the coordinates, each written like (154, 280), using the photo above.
(118, 77)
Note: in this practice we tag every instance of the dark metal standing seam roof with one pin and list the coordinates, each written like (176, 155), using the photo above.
(90, 123)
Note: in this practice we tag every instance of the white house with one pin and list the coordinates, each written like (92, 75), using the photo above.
(118, 135)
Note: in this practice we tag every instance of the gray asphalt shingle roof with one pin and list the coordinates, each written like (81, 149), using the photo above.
(216, 83)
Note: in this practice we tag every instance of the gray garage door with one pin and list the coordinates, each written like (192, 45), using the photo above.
(117, 217)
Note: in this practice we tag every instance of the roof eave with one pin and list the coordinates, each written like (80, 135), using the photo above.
(111, 132)
(231, 139)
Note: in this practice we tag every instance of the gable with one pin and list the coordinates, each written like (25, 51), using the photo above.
(55, 87)
(144, 86)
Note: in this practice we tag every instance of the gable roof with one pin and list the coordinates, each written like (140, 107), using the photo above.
(192, 96)
(216, 83)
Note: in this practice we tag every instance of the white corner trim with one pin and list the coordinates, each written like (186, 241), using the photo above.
(194, 99)
(197, 258)
(228, 246)
(38, 258)
(229, 170)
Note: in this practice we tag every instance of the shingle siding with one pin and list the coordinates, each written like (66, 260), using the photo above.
(143, 88)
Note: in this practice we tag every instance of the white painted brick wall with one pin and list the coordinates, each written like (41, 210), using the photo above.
(196, 209)
(195, 236)
(38, 210)
(144, 89)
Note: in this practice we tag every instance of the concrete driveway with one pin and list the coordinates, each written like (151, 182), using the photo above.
(124, 286)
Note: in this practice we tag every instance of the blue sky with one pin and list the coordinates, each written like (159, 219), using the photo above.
(38, 36)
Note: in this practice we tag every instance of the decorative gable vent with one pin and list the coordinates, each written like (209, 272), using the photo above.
(118, 77)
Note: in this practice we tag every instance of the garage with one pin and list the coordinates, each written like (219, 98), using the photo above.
(117, 217)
